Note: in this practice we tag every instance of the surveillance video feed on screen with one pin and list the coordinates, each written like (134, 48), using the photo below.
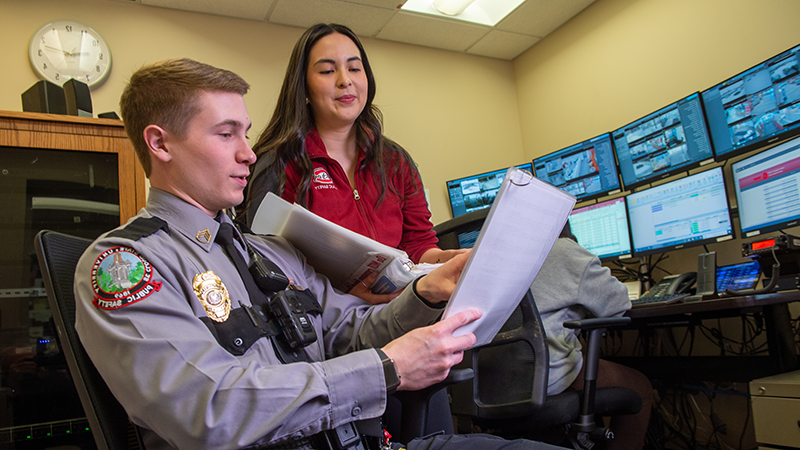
(477, 191)
(585, 170)
(670, 140)
(756, 107)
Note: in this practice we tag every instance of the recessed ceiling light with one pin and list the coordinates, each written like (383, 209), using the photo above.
(485, 12)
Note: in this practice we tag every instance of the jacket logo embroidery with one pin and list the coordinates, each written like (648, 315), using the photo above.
(321, 176)
(121, 277)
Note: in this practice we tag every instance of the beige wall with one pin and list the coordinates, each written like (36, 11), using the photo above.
(619, 60)
(622, 59)
(455, 113)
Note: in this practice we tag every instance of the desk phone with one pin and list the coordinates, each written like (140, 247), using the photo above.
(671, 289)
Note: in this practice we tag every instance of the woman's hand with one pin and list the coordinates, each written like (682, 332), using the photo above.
(437, 255)
(363, 290)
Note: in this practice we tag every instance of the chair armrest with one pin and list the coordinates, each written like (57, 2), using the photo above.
(416, 405)
(597, 322)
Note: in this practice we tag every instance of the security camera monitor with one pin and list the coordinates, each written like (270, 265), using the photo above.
(755, 108)
(477, 191)
(671, 140)
(586, 170)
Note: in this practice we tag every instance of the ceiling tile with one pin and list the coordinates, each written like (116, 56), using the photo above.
(540, 17)
(502, 45)
(363, 20)
(243, 9)
(391, 4)
(432, 32)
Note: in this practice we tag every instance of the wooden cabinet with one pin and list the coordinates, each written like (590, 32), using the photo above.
(57, 132)
(70, 174)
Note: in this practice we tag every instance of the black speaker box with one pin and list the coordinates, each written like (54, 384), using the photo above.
(108, 115)
(44, 97)
(79, 99)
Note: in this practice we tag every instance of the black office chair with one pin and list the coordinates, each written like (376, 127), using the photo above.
(508, 394)
(58, 255)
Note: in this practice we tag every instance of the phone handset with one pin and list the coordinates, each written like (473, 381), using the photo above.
(673, 284)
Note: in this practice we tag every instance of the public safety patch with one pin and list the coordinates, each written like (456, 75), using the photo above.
(321, 176)
(121, 277)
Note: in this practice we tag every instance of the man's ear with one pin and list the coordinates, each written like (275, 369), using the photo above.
(156, 139)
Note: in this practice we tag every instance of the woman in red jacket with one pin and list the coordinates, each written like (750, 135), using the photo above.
(324, 149)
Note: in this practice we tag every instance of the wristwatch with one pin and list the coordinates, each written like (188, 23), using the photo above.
(389, 372)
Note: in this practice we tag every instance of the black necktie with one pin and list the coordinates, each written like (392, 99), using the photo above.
(257, 297)
(225, 240)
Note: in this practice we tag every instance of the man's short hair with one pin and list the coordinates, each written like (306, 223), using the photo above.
(166, 94)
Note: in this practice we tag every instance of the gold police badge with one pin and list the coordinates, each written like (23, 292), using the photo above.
(213, 295)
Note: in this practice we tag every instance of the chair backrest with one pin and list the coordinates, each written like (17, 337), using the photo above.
(510, 373)
(58, 255)
(449, 231)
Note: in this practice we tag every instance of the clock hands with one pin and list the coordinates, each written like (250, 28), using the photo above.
(66, 53)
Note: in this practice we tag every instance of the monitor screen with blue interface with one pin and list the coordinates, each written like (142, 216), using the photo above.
(686, 212)
(477, 191)
(602, 228)
(738, 276)
(757, 107)
(671, 140)
(586, 170)
(767, 189)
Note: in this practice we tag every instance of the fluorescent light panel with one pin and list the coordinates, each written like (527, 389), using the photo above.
(484, 12)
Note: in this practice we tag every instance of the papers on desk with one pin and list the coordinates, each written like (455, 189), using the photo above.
(524, 222)
(342, 255)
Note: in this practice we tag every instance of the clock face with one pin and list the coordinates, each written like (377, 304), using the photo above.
(66, 49)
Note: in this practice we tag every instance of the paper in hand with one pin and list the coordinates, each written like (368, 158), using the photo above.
(524, 222)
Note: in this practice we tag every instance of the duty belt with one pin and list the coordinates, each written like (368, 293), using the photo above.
(362, 435)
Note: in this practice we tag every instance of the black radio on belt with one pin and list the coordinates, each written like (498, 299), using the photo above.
(290, 309)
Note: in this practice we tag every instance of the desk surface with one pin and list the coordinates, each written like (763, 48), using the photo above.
(714, 305)
(782, 355)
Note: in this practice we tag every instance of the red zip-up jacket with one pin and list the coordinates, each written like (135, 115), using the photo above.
(400, 221)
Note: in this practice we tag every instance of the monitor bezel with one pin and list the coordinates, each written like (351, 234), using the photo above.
(603, 193)
(627, 223)
(683, 245)
(525, 166)
(758, 144)
(676, 170)
(788, 223)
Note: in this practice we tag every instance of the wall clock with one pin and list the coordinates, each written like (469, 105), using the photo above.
(66, 49)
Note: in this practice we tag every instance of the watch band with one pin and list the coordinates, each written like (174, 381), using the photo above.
(390, 375)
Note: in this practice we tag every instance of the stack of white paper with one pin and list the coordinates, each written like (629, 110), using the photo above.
(342, 255)
(523, 224)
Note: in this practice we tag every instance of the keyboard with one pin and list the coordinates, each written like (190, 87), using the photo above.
(657, 300)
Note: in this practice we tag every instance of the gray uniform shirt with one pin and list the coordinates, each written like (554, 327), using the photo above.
(571, 285)
(176, 381)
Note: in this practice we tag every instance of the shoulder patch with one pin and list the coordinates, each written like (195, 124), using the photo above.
(121, 277)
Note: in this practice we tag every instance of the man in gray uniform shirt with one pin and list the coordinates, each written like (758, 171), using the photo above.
(183, 339)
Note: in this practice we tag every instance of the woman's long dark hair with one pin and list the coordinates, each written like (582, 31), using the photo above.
(293, 119)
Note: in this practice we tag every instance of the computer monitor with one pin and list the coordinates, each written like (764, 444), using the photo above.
(757, 107)
(683, 213)
(766, 188)
(602, 228)
(477, 191)
(586, 170)
(671, 140)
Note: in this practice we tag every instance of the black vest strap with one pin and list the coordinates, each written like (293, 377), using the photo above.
(140, 228)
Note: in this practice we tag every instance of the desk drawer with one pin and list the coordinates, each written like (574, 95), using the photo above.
(777, 420)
